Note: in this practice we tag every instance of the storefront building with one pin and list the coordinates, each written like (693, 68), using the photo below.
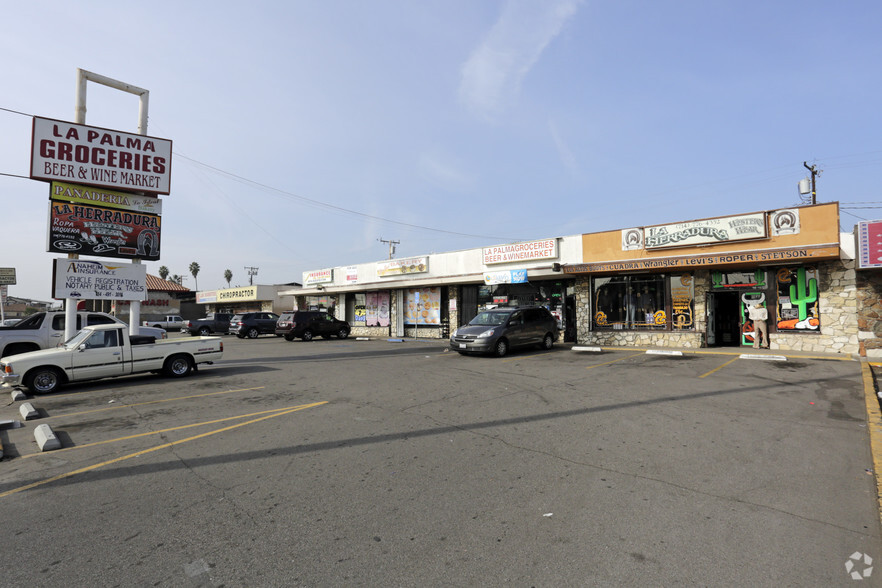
(690, 284)
(428, 296)
(258, 298)
(163, 298)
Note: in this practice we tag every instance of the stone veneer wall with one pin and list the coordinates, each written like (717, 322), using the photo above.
(869, 312)
(838, 304)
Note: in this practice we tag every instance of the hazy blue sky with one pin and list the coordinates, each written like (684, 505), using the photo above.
(304, 131)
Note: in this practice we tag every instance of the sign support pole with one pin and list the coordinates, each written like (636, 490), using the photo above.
(83, 76)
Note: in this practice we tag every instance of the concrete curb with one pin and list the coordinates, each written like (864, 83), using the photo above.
(874, 427)
(46, 439)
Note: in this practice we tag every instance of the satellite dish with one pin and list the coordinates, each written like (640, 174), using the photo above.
(805, 186)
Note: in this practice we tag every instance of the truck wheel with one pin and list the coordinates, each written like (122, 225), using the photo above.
(43, 380)
(177, 366)
(17, 348)
(158, 327)
(307, 335)
(205, 331)
(253, 333)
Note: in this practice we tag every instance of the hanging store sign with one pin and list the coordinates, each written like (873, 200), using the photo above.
(713, 230)
(237, 294)
(398, 267)
(103, 232)
(99, 157)
(64, 192)
(869, 244)
(97, 280)
(7, 276)
(506, 277)
(324, 276)
(725, 259)
(530, 250)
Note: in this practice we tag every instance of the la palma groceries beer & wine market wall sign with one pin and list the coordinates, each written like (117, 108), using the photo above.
(100, 157)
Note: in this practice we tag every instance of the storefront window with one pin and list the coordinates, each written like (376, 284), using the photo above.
(422, 306)
(368, 309)
(682, 303)
(629, 302)
(377, 309)
(798, 299)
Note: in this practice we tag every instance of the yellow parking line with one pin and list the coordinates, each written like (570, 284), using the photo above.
(733, 360)
(151, 450)
(118, 406)
(170, 429)
(591, 367)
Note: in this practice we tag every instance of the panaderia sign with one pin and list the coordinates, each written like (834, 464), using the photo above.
(101, 197)
(99, 157)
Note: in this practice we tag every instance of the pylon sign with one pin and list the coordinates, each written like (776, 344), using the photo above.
(94, 156)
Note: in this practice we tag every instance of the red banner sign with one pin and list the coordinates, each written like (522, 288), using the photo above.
(103, 232)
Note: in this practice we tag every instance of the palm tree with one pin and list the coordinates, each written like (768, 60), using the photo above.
(163, 272)
(179, 280)
(228, 276)
(194, 269)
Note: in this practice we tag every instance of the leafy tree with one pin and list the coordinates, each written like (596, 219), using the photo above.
(228, 276)
(163, 272)
(194, 269)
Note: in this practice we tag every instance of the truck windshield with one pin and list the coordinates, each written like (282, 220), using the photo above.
(75, 341)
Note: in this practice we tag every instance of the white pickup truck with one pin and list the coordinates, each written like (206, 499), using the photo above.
(106, 351)
(46, 329)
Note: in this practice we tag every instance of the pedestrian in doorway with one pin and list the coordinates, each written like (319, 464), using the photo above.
(759, 315)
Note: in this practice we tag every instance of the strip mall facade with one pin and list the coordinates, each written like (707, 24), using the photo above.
(685, 284)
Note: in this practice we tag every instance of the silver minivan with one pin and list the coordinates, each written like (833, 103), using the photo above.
(500, 329)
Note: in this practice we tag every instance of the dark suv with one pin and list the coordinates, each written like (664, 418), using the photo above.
(306, 324)
(500, 329)
(253, 324)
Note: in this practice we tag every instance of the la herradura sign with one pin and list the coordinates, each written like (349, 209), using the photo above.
(99, 157)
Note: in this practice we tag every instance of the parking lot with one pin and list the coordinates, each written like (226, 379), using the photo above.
(344, 462)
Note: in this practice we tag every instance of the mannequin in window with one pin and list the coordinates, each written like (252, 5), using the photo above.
(631, 299)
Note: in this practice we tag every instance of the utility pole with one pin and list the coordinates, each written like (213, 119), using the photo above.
(815, 172)
(252, 271)
(392, 245)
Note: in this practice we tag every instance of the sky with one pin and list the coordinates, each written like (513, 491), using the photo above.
(304, 132)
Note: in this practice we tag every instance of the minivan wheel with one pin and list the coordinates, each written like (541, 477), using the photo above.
(342, 333)
(307, 335)
(253, 333)
(501, 348)
(547, 342)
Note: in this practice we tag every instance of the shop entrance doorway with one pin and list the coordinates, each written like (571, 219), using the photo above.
(723, 319)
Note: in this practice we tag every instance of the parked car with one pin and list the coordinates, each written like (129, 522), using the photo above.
(253, 324)
(500, 329)
(171, 322)
(306, 324)
(213, 323)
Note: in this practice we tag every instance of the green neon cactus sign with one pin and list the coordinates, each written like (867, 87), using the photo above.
(803, 296)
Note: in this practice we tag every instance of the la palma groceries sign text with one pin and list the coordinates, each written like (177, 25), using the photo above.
(99, 157)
